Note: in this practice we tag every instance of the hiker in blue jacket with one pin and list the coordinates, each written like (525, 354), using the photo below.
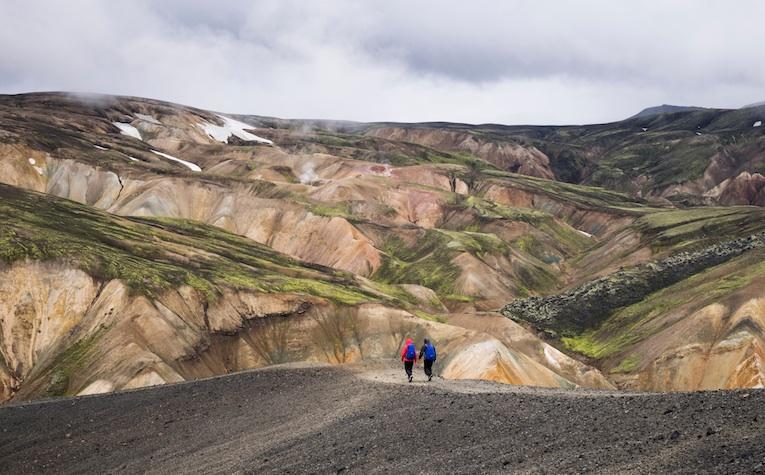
(428, 356)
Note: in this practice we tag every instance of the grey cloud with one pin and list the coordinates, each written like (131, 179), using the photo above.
(479, 61)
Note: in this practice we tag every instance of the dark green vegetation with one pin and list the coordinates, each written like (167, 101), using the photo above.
(641, 154)
(67, 363)
(378, 150)
(154, 255)
(677, 229)
(425, 262)
(586, 307)
(582, 196)
(665, 109)
(634, 323)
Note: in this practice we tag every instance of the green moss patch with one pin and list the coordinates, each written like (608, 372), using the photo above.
(428, 260)
(628, 364)
(157, 254)
(68, 362)
(637, 322)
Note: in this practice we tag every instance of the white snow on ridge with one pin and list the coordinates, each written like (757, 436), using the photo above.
(757, 124)
(127, 129)
(148, 118)
(192, 166)
(100, 147)
(230, 127)
(33, 162)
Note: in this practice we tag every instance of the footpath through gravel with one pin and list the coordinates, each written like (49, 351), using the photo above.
(369, 420)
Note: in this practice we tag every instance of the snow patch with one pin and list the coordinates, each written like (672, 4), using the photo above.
(645, 129)
(553, 356)
(230, 127)
(148, 118)
(127, 129)
(99, 386)
(585, 233)
(100, 147)
(133, 158)
(757, 124)
(192, 166)
(33, 162)
(698, 133)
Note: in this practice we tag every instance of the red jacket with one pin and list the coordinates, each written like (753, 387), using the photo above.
(403, 351)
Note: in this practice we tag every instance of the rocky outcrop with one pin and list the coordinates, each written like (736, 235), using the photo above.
(588, 305)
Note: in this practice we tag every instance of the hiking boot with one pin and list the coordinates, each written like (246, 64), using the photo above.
(410, 379)
(430, 377)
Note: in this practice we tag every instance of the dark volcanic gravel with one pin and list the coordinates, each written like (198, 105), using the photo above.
(330, 420)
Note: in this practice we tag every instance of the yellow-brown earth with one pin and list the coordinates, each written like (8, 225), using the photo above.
(438, 227)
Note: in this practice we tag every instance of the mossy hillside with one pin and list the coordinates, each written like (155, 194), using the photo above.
(534, 279)
(489, 210)
(665, 148)
(559, 236)
(155, 255)
(68, 363)
(586, 307)
(666, 160)
(628, 364)
(580, 196)
(568, 163)
(428, 260)
(635, 323)
(332, 210)
(374, 149)
(684, 228)
(429, 316)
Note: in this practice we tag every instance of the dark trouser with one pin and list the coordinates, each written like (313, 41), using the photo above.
(429, 367)
(408, 367)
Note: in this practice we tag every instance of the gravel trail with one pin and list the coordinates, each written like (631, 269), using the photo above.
(369, 420)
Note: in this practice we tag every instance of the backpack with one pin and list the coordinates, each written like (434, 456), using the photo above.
(430, 352)
(411, 352)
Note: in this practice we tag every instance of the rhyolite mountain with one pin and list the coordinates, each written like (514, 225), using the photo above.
(144, 242)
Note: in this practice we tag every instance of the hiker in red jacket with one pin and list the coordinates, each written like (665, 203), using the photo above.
(409, 357)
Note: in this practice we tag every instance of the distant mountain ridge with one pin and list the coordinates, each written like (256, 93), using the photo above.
(665, 109)
(144, 242)
(754, 104)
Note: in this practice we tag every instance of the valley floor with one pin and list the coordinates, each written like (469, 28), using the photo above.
(368, 420)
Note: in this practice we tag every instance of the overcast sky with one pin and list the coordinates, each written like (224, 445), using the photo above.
(543, 62)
